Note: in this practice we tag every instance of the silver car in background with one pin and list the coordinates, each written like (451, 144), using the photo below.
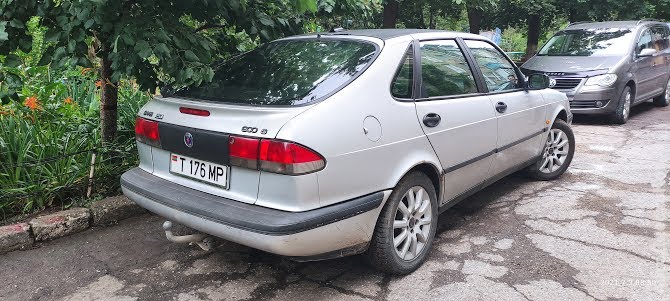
(326, 145)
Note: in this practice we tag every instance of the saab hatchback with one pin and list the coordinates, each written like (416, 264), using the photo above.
(326, 145)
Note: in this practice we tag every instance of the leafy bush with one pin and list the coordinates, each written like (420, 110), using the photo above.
(48, 138)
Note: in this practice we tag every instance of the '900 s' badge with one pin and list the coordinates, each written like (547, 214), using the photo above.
(188, 139)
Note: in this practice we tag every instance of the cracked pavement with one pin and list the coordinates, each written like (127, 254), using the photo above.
(599, 232)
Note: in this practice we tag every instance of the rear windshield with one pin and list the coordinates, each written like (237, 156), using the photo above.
(589, 42)
(285, 73)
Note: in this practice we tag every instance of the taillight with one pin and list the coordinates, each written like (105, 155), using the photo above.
(146, 131)
(274, 156)
(244, 152)
(192, 111)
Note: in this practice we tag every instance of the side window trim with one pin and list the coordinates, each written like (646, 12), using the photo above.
(397, 72)
(480, 75)
(419, 97)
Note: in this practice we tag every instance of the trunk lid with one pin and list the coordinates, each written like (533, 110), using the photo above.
(208, 137)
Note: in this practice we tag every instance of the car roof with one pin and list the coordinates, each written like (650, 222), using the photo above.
(385, 34)
(611, 24)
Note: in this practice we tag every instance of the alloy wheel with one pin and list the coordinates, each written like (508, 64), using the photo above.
(555, 152)
(626, 105)
(412, 223)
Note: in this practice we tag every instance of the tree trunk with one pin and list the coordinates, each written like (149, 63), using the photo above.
(108, 102)
(474, 19)
(533, 23)
(390, 14)
(431, 20)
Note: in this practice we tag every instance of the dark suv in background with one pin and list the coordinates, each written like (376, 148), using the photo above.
(607, 67)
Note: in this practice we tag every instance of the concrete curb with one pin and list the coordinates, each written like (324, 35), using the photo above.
(107, 211)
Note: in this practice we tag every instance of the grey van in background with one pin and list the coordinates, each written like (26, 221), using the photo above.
(606, 68)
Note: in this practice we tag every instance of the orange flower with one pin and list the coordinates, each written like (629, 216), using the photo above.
(32, 103)
(68, 100)
(98, 83)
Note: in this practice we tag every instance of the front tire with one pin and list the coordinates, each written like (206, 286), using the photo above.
(406, 226)
(557, 153)
(622, 112)
(664, 99)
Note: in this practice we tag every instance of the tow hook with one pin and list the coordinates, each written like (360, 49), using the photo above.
(203, 241)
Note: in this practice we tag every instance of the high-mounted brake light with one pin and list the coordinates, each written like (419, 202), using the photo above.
(274, 156)
(146, 131)
(192, 111)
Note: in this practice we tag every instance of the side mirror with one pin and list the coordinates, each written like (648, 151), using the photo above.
(647, 52)
(538, 81)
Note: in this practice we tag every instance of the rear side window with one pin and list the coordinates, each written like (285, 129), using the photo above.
(499, 73)
(285, 73)
(444, 70)
(403, 82)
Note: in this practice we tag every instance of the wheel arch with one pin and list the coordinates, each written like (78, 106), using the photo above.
(431, 170)
(632, 86)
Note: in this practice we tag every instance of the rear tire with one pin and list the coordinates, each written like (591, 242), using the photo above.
(622, 112)
(557, 153)
(664, 99)
(406, 226)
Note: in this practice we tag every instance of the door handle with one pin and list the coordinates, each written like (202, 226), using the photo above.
(431, 120)
(501, 107)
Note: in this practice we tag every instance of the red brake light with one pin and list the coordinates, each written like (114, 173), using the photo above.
(146, 131)
(244, 151)
(274, 156)
(288, 158)
(192, 111)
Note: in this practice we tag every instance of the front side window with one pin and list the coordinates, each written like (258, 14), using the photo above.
(646, 41)
(285, 73)
(499, 73)
(589, 42)
(403, 82)
(444, 70)
(660, 38)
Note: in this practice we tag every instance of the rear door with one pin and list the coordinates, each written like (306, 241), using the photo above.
(458, 120)
(520, 113)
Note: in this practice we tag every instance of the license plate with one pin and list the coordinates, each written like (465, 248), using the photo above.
(203, 171)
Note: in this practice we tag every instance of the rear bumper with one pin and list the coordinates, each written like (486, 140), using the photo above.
(343, 227)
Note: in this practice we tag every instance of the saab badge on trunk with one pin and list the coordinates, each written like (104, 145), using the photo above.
(188, 139)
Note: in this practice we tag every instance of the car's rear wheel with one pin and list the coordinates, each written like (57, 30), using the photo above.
(556, 154)
(622, 112)
(664, 99)
(406, 226)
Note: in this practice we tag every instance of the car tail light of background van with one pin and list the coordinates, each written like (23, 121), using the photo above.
(274, 156)
(146, 131)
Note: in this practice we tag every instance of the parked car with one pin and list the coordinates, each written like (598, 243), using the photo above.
(326, 145)
(607, 67)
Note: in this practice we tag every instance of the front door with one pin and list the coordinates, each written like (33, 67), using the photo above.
(647, 83)
(459, 121)
(520, 113)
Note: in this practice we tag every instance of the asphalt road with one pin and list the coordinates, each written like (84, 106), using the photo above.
(599, 232)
